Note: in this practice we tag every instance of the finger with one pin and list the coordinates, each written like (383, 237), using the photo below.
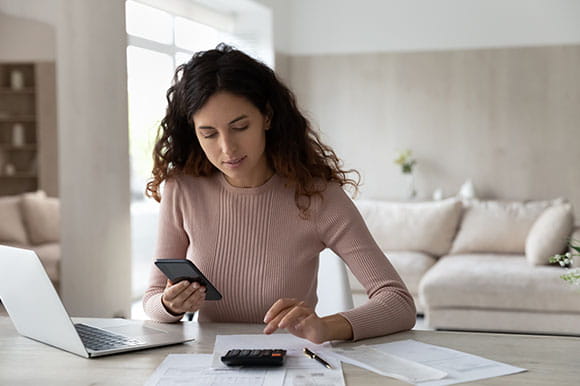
(293, 317)
(174, 290)
(196, 296)
(273, 324)
(195, 301)
(278, 306)
(186, 293)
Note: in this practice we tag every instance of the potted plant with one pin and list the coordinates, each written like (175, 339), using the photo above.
(407, 164)
(566, 260)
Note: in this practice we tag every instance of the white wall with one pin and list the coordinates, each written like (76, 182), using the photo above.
(24, 40)
(506, 118)
(480, 89)
(44, 11)
(315, 27)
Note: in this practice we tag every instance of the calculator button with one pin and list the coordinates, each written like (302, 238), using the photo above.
(255, 353)
(233, 353)
(244, 353)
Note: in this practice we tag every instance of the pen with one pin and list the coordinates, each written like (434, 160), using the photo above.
(312, 355)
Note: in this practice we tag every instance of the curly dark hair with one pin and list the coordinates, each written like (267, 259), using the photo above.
(293, 149)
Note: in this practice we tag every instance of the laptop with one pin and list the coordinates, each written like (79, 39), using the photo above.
(38, 313)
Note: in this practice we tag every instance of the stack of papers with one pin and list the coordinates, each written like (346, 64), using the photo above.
(407, 360)
(418, 363)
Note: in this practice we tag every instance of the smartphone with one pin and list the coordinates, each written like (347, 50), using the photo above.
(177, 270)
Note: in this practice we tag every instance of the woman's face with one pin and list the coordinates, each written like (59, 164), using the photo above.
(232, 134)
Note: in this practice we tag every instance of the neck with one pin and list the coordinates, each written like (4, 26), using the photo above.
(257, 179)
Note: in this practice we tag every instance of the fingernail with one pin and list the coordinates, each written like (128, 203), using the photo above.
(196, 285)
(266, 319)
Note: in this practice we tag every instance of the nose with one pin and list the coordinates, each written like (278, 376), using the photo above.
(228, 145)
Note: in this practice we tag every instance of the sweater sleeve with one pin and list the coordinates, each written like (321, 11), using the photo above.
(172, 243)
(390, 307)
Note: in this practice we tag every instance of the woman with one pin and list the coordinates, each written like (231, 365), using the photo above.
(252, 197)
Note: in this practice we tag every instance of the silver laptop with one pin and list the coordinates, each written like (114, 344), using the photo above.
(37, 313)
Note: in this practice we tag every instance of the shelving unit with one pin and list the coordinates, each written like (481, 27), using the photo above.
(22, 105)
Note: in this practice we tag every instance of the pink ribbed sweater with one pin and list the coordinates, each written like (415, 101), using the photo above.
(254, 247)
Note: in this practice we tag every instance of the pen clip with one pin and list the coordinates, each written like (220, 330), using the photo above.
(308, 353)
(317, 358)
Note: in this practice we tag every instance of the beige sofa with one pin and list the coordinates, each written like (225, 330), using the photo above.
(32, 221)
(481, 265)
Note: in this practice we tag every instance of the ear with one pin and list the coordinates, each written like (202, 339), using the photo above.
(268, 120)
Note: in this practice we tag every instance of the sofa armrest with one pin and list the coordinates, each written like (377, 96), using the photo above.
(576, 237)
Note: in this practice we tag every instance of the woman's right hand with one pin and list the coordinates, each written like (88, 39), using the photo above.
(183, 297)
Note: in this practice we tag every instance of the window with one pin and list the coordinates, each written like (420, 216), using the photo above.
(158, 41)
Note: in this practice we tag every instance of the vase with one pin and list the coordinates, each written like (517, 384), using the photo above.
(17, 135)
(411, 188)
(16, 80)
(9, 169)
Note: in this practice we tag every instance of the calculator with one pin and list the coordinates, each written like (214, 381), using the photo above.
(254, 357)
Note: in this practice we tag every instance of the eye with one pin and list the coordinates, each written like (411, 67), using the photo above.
(209, 135)
(240, 128)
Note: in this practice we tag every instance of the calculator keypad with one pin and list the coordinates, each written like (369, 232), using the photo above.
(254, 357)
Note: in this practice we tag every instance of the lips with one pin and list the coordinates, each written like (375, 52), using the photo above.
(235, 161)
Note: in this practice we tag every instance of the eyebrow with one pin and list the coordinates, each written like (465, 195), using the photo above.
(229, 123)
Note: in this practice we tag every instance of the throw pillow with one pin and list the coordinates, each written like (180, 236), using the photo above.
(496, 226)
(41, 216)
(12, 229)
(549, 234)
(424, 226)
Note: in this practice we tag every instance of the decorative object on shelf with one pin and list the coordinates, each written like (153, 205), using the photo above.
(566, 260)
(467, 190)
(438, 194)
(33, 166)
(407, 164)
(9, 169)
(16, 80)
(18, 135)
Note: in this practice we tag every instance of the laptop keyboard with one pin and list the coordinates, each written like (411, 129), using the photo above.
(97, 339)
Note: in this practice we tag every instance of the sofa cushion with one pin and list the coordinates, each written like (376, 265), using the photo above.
(49, 255)
(497, 282)
(496, 226)
(12, 230)
(424, 226)
(549, 234)
(411, 266)
(41, 217)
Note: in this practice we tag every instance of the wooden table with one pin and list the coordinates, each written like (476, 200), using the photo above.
(550, 360)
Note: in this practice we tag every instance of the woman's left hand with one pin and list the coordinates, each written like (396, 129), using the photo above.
(298, 319)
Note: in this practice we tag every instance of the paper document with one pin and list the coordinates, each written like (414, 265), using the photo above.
(299, 369)
(459, 366)
(388, 365)
(193, 369)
